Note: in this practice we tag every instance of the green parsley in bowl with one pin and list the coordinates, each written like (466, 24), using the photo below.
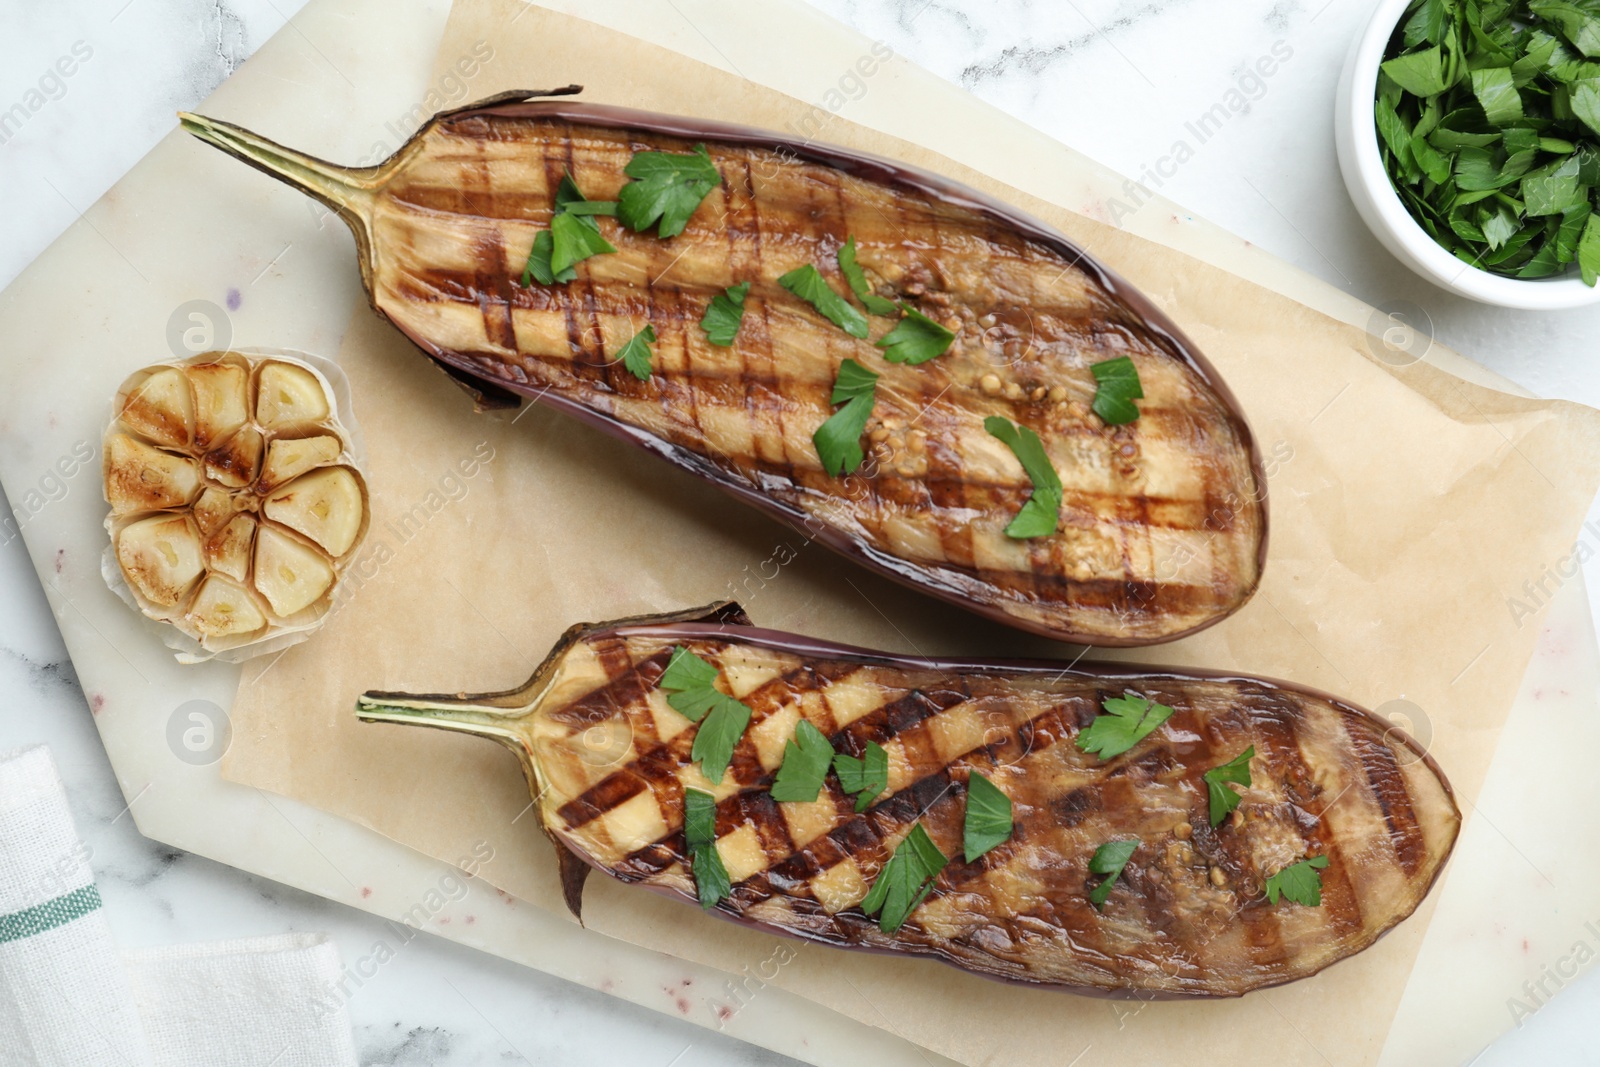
(1486, 124)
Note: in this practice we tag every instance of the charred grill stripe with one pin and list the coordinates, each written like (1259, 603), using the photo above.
(626, 684)
(652, 860)
(744, 235)
(764, 387)
(1341, 902)
(887, 721)
(757, 807)
(1387, 784)
(1341, 908)
(1276, 741)
(600, 798)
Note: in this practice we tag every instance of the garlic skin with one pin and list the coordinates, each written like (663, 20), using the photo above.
(237, 499)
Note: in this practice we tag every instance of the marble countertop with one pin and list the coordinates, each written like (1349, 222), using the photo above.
(1118, 79)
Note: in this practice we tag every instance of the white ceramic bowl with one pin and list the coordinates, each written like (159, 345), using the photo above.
(1356, 136)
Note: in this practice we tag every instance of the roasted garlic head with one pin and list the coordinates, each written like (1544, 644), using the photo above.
(235, 499)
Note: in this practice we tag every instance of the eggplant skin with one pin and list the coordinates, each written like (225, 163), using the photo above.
(1163, 523)
(608, 761)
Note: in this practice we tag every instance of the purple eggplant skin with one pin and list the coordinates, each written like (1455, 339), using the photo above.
(1163, 525)
(609, 760)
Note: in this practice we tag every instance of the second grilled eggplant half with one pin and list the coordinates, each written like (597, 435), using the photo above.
(611, 761)
(1162, 521)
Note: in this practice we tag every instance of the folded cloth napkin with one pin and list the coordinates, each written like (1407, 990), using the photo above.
(247, 1003)
(67, 999)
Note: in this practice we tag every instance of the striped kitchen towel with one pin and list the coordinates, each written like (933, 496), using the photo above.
(67, 999)
(64, 996)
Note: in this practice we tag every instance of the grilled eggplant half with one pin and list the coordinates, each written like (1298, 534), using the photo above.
(1199, 910)
(1161, 522)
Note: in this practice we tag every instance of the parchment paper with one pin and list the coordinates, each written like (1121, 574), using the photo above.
(1408, 509)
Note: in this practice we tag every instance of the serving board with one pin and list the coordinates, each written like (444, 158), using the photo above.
(295, 289)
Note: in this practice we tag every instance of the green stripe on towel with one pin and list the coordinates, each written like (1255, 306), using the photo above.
(50, 914)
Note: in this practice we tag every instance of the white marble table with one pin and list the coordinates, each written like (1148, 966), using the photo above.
(1118, 79)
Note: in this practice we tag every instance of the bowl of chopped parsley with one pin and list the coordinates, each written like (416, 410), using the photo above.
(1468, 134)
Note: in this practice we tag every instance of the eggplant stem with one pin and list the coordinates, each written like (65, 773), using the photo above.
(349, 192)
(464, 715)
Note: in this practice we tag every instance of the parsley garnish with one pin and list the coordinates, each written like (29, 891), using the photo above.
(1488, 119)
(988, 819)
(538, 265)
(666, 186)
(1129, 720)
(916, 339)
(1118, 387)
(570, 200)
(905, 880)
(724, 314)
(807, 283)
(857, 278)
(688, 680)
(700, 838)
(838, 440)
(1299, 882)
(573, 242)
(1039, 516)
(1109, 859)
(865, 777)
(573, 236)
(635, 355)
(1223, 799)
(716, 736)
(806, 758)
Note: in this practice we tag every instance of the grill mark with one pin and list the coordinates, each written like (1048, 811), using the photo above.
(1341, 908)
(600, 798)
(883, 723)
(491, 283)
(1388, 787)
(625, 685)
(675, 399)
(764, 398)
(869, 477)
(1275, 740)
(762, 812)
(744, 267)
(957, 540)
(653, 860)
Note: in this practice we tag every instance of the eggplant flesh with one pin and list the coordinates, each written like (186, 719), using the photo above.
(1162, 527)
(608, 762)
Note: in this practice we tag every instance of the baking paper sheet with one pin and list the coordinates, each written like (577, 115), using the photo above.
(1408, 509)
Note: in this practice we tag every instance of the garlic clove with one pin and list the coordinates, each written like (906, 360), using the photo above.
(288, 459)
(292, 576)
(161, 408)
(222, 401)
(223, 609)
(140, 477)
(289, 396)
(228, 551)
(237, 462)
(161, 558)
(326, 505)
